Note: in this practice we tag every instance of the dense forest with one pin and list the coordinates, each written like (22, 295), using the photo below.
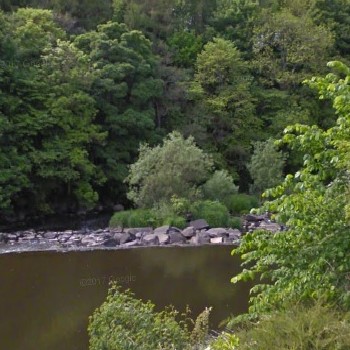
(84, 83)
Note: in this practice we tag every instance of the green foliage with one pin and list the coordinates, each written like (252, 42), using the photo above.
(185, 47)
(221, 91)
(174, 168)
(123, 322)
(124, 88)
(289, 45)
(215, 213)
(33, 31)
(147, 218)
(266, 166)
(219, 187)
(241, 203)
(133, 218)
(298, 327)
(225, 341)
(235, 222)
(120, 219)
(75, 108)
(175, 221)
(310, 259)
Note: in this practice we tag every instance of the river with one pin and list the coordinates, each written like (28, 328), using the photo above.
(47, 297)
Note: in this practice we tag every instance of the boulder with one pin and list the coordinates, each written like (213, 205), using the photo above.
(217, 240)
(138, 230)
(217, 232)
(111, 242)
(234, 233)
(163, 229)
(131, 244)
(126, 238)
(199, 224)
(75, 239)
(150, 239)
(270, 226)
(254, 218)
(118, 207)
(176, 238)
(87, 241)
(50, 235)
(3, 238)
(163, 238)
(194, 240)
(203, 237)
(12, 236)
(189, 232)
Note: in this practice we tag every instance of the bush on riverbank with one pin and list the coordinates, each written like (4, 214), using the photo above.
(145, 218)
(125, 323)
(241, 203)
(215, 213)
(298, 327)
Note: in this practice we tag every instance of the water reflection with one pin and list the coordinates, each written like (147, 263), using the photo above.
(46, 297)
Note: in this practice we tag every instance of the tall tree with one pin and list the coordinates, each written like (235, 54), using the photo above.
(125, 87)
(310, 259)
(225, 107)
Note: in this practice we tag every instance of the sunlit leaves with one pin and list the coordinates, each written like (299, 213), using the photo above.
(310, 259)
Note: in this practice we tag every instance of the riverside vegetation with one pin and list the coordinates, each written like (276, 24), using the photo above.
(84, 83)
(303, 298)
(171, 108)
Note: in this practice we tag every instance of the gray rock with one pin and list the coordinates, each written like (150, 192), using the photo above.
(176, 238)
(163, 238)
(126, 238)
(217, 232)
(140, 230)
(203, 237)
(217, 240)
(150, 239)
(199, 224)
(87, 241)
(189, 232)
(270, 226)
(3, 238)
(194, 240)
(12, 236)
(111, 242)
(234, 233)
(50, 235)
(118, 207)
(254, 218)
(174, 229)
(134, 243)
(163, 229)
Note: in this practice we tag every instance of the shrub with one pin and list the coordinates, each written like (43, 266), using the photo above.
(266, 166)
(125, 323)
(141, 218)
(235, 222)
(219, 186)
(176, 221)
(241, 203)
(215, 213)
(313, 328)
(119, 219)
(225, 341)
(133, 218)
(175, 168)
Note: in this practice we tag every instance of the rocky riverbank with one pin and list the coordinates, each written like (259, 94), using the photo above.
(197, 233)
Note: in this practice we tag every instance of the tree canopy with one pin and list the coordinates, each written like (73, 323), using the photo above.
(310, 259)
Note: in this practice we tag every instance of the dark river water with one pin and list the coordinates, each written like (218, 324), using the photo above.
(47, 297)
